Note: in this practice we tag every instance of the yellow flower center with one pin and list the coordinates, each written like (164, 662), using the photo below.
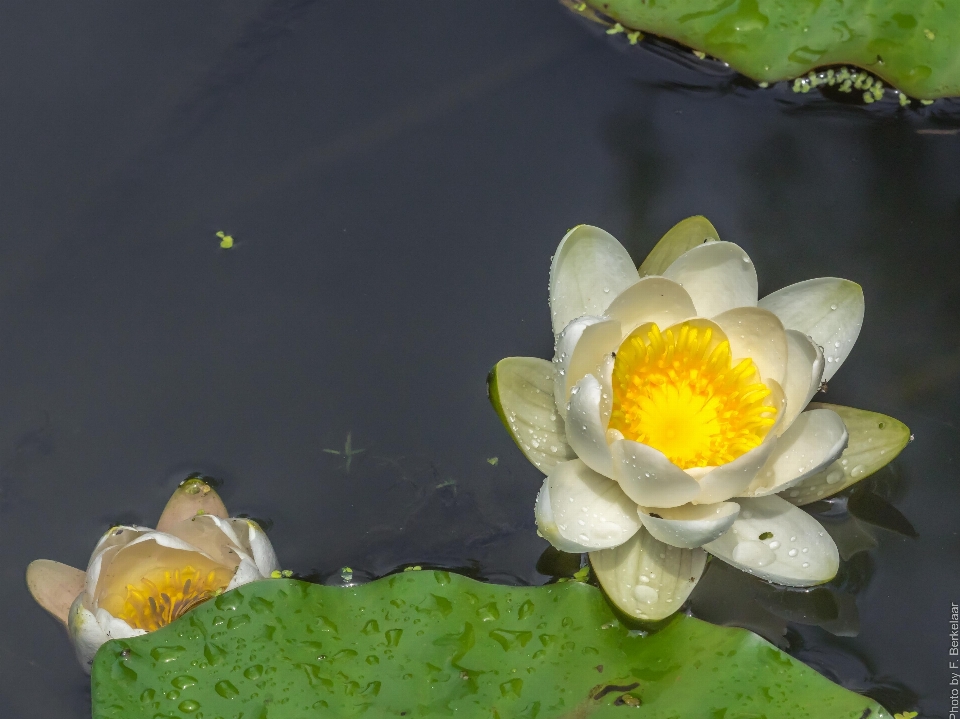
(164, 595)
(678, 392)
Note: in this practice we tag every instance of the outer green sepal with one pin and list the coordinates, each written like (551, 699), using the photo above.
(875, 441)
(521, 391)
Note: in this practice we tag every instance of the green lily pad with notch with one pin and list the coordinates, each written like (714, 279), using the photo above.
(912, 44)
(434, 644)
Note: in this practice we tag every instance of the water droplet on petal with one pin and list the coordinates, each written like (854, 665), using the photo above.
(754, 554)
(645, 594)
(834, 476)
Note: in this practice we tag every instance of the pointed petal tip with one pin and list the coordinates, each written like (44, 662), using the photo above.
(194, 496)
(683, 236)
(874, 440)
(589, 269)
(647, 579)
(54, 586)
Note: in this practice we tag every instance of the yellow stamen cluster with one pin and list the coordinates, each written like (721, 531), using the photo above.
(165, 595)
(678, 393)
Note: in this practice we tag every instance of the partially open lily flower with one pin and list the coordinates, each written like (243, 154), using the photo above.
(140, 579)
(676, 416)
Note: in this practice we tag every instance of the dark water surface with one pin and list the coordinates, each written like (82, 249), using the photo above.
(396, 176)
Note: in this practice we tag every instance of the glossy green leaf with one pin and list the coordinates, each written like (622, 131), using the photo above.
(910, 44)
(433, 644)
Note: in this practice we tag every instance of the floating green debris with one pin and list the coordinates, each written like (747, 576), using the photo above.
(910, 45)
(431, 644)
(581, 575)
(493, 461)
(226, 241)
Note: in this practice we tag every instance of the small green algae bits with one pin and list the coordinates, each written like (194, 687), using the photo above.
(912, 44)
(434, 644)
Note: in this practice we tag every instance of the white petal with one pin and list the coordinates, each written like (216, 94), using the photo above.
(795, 549)
(86, 634)
(521, 390)
(732, 479)
(563, 352)
(804, 373)
(758, 335)
(247, 572)
(117, 536)
(225, 526)
(814, 441)
(649, 478)
(718, 275)
(263, 554)
(683, 236)
(691, 525)
(590, 509)
(547, 525)
(589, 269)
(164, 540)
(586, 428)
(110, 543)
(652, 299)
(828, 309)
(215, 537)
(596, 342)
(875, 440)
(605, 377)
(646, 578)
(116, 628)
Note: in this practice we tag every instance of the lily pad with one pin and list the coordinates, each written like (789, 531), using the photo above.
(910, 44)
(425, 644)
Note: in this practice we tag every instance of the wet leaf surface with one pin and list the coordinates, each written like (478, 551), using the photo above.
(910, 45)
(431, 643)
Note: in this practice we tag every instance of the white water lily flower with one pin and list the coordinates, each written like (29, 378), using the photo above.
(677, 409)
(140, 579)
